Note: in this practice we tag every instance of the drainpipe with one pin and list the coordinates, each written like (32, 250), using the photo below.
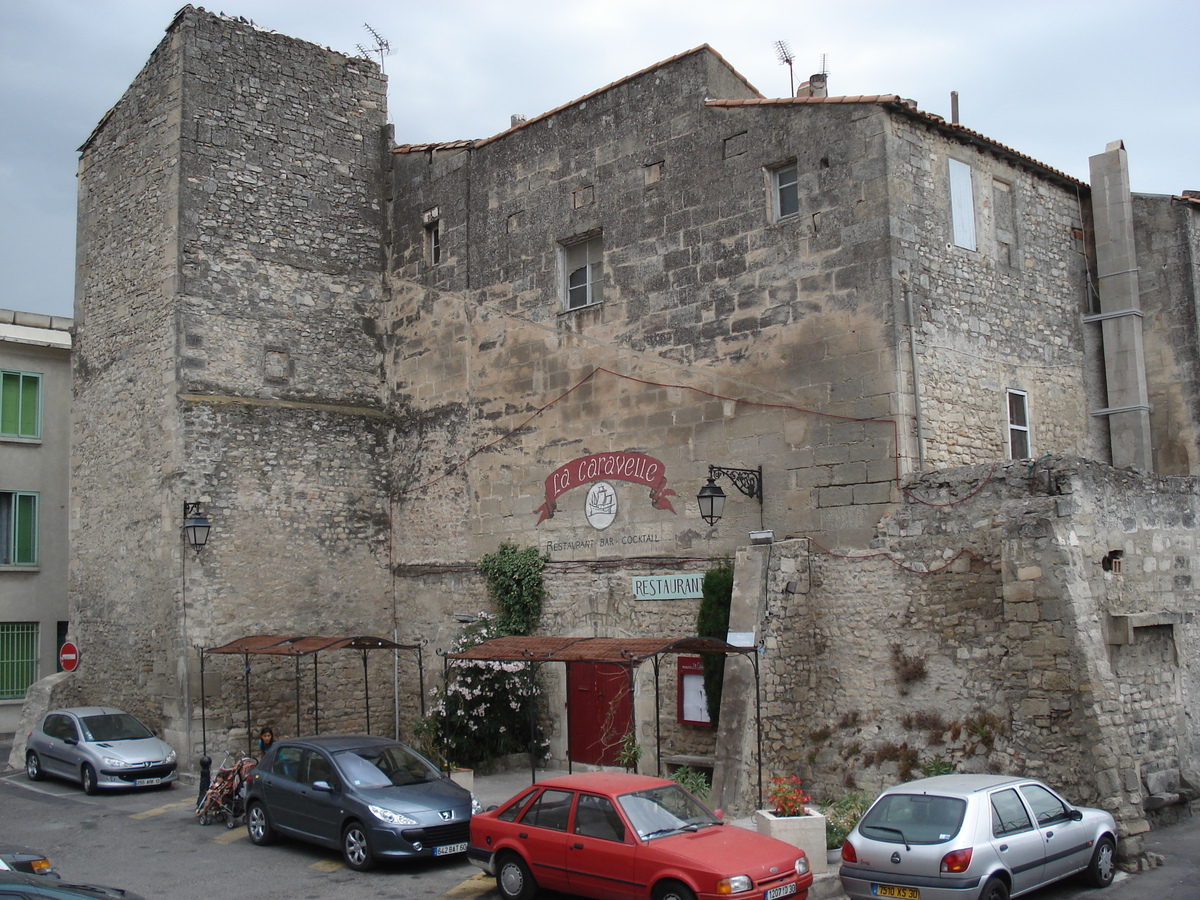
(916, 378)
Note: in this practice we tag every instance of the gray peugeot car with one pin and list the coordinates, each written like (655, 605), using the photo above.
(371, 797)
(974, 837)
(100, 747)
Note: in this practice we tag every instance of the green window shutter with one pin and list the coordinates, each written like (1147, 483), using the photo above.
(25, 530)
(10, 402)
(30, 405)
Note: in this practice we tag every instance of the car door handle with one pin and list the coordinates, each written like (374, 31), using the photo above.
(522, 834)
(1049, 834)
(1003, 847)
(577, 846)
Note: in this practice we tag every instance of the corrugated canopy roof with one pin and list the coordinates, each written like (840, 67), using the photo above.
(622, 651)
(304, 645)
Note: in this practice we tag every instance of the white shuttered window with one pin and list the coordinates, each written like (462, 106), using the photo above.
(962, 205)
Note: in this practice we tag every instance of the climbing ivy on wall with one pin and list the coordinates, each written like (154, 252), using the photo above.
(712, 620)
(514, 580)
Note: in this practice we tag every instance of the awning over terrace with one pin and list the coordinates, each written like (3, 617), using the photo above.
(297, 646)
(629, 652)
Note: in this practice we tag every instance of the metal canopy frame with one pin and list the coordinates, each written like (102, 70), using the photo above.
(297, 646)
(628, 652)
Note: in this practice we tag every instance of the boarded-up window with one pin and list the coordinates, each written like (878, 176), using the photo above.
(1005, 222)
(962, 205)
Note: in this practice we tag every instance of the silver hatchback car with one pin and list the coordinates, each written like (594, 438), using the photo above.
(963, 837)
(99, 747)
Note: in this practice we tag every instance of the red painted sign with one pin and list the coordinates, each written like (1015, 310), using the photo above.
(68, 656)
(622, 466)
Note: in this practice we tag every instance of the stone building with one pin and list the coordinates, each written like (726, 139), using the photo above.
(35, 441)
(971, 383)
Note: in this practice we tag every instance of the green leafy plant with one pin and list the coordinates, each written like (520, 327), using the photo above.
(936, 766)
(694, 781)
(786, 796)
(841, 815)
(514, 580)
(712, 620)
(629, 754)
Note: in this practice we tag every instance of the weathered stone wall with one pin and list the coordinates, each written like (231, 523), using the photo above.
(983, 632)
(1167, 233)
(1006, 315)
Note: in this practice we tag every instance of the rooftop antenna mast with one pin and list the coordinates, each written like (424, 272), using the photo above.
(381, 46)
(784, 52)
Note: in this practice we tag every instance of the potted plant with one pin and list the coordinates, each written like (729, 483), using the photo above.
(789, 818)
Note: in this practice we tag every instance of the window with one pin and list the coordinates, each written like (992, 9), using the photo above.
(786, 191)
(550, 810)
(20, 404)
(1008, 814)
(1019, 444)
(1004, 215)
(582, 271)
(18, 658)
(597, 817)
(432, 221)
(1047, 807)
(18, 528)
(962, 205)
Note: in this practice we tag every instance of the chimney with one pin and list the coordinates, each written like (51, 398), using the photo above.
(516, 119)
(814, 87)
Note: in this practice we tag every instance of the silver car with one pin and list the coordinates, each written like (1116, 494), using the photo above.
(99, 747)
(962, 837)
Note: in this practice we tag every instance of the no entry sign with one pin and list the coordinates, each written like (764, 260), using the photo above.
(68, 656)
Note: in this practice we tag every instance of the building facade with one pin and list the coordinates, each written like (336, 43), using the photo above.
(35, 452)
(373, 363)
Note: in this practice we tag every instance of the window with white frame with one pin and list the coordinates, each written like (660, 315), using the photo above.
(582, 272)
(432, 221)
(18, 528)
(785, 191)
(20, 404)
(962, 205)
(1020, 446)
(18, 658)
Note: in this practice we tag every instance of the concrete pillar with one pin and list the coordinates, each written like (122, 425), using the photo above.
(1120, 315)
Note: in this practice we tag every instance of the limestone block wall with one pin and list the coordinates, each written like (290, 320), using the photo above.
(1167, 235)
(1006, 315)
(984, 633)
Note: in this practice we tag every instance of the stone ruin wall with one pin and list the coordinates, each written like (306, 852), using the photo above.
(878, 666)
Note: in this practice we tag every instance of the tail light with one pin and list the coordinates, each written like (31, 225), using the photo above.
(956, 861)
(848, 853)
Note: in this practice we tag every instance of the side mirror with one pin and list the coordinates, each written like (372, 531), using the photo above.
(71, 741)
(322, 786)
(719, 813)
(1076, 815)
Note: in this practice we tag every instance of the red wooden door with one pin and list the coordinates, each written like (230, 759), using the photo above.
(600, 709)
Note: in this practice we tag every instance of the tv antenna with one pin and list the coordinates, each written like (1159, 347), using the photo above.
(381, 46)
(784, 52)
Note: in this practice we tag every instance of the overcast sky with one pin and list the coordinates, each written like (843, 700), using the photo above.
(1054, 79)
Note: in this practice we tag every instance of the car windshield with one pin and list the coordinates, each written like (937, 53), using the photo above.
(385, 766)
(913, 819)
(665, 810)
(114, 727)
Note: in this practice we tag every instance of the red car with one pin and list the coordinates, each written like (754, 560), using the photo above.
(610, 835)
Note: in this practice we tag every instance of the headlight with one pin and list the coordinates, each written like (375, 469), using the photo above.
(392, 818)
(170, 757)
(113, 763)
(734, 885)
(476, 806)
(802, 865)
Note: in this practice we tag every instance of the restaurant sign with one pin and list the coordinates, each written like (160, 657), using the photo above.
(622, 466)
(668, 587)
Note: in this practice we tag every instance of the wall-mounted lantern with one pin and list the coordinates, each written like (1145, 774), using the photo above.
(195, 526)
(711, 498)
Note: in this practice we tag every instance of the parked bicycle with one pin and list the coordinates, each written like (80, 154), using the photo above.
(225, 799)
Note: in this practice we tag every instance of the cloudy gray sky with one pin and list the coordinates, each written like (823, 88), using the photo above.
(1054, 79)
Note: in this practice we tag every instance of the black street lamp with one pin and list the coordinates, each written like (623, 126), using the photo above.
(195, 526)
(711, 498)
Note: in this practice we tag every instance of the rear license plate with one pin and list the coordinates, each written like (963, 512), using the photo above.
(447, 849)
(894, 890)
(784, 890)
(147, 782)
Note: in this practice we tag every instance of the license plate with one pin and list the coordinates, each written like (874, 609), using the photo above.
(894, 890)
(147, 782)
(447, 849)
(784, 890)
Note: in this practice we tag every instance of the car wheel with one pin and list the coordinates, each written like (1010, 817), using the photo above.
(514, 878)
(673, 890)
(87, 777)
(259, 826)
(33, 767)
(1103, 866)
(995, 889)
(356, 848)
